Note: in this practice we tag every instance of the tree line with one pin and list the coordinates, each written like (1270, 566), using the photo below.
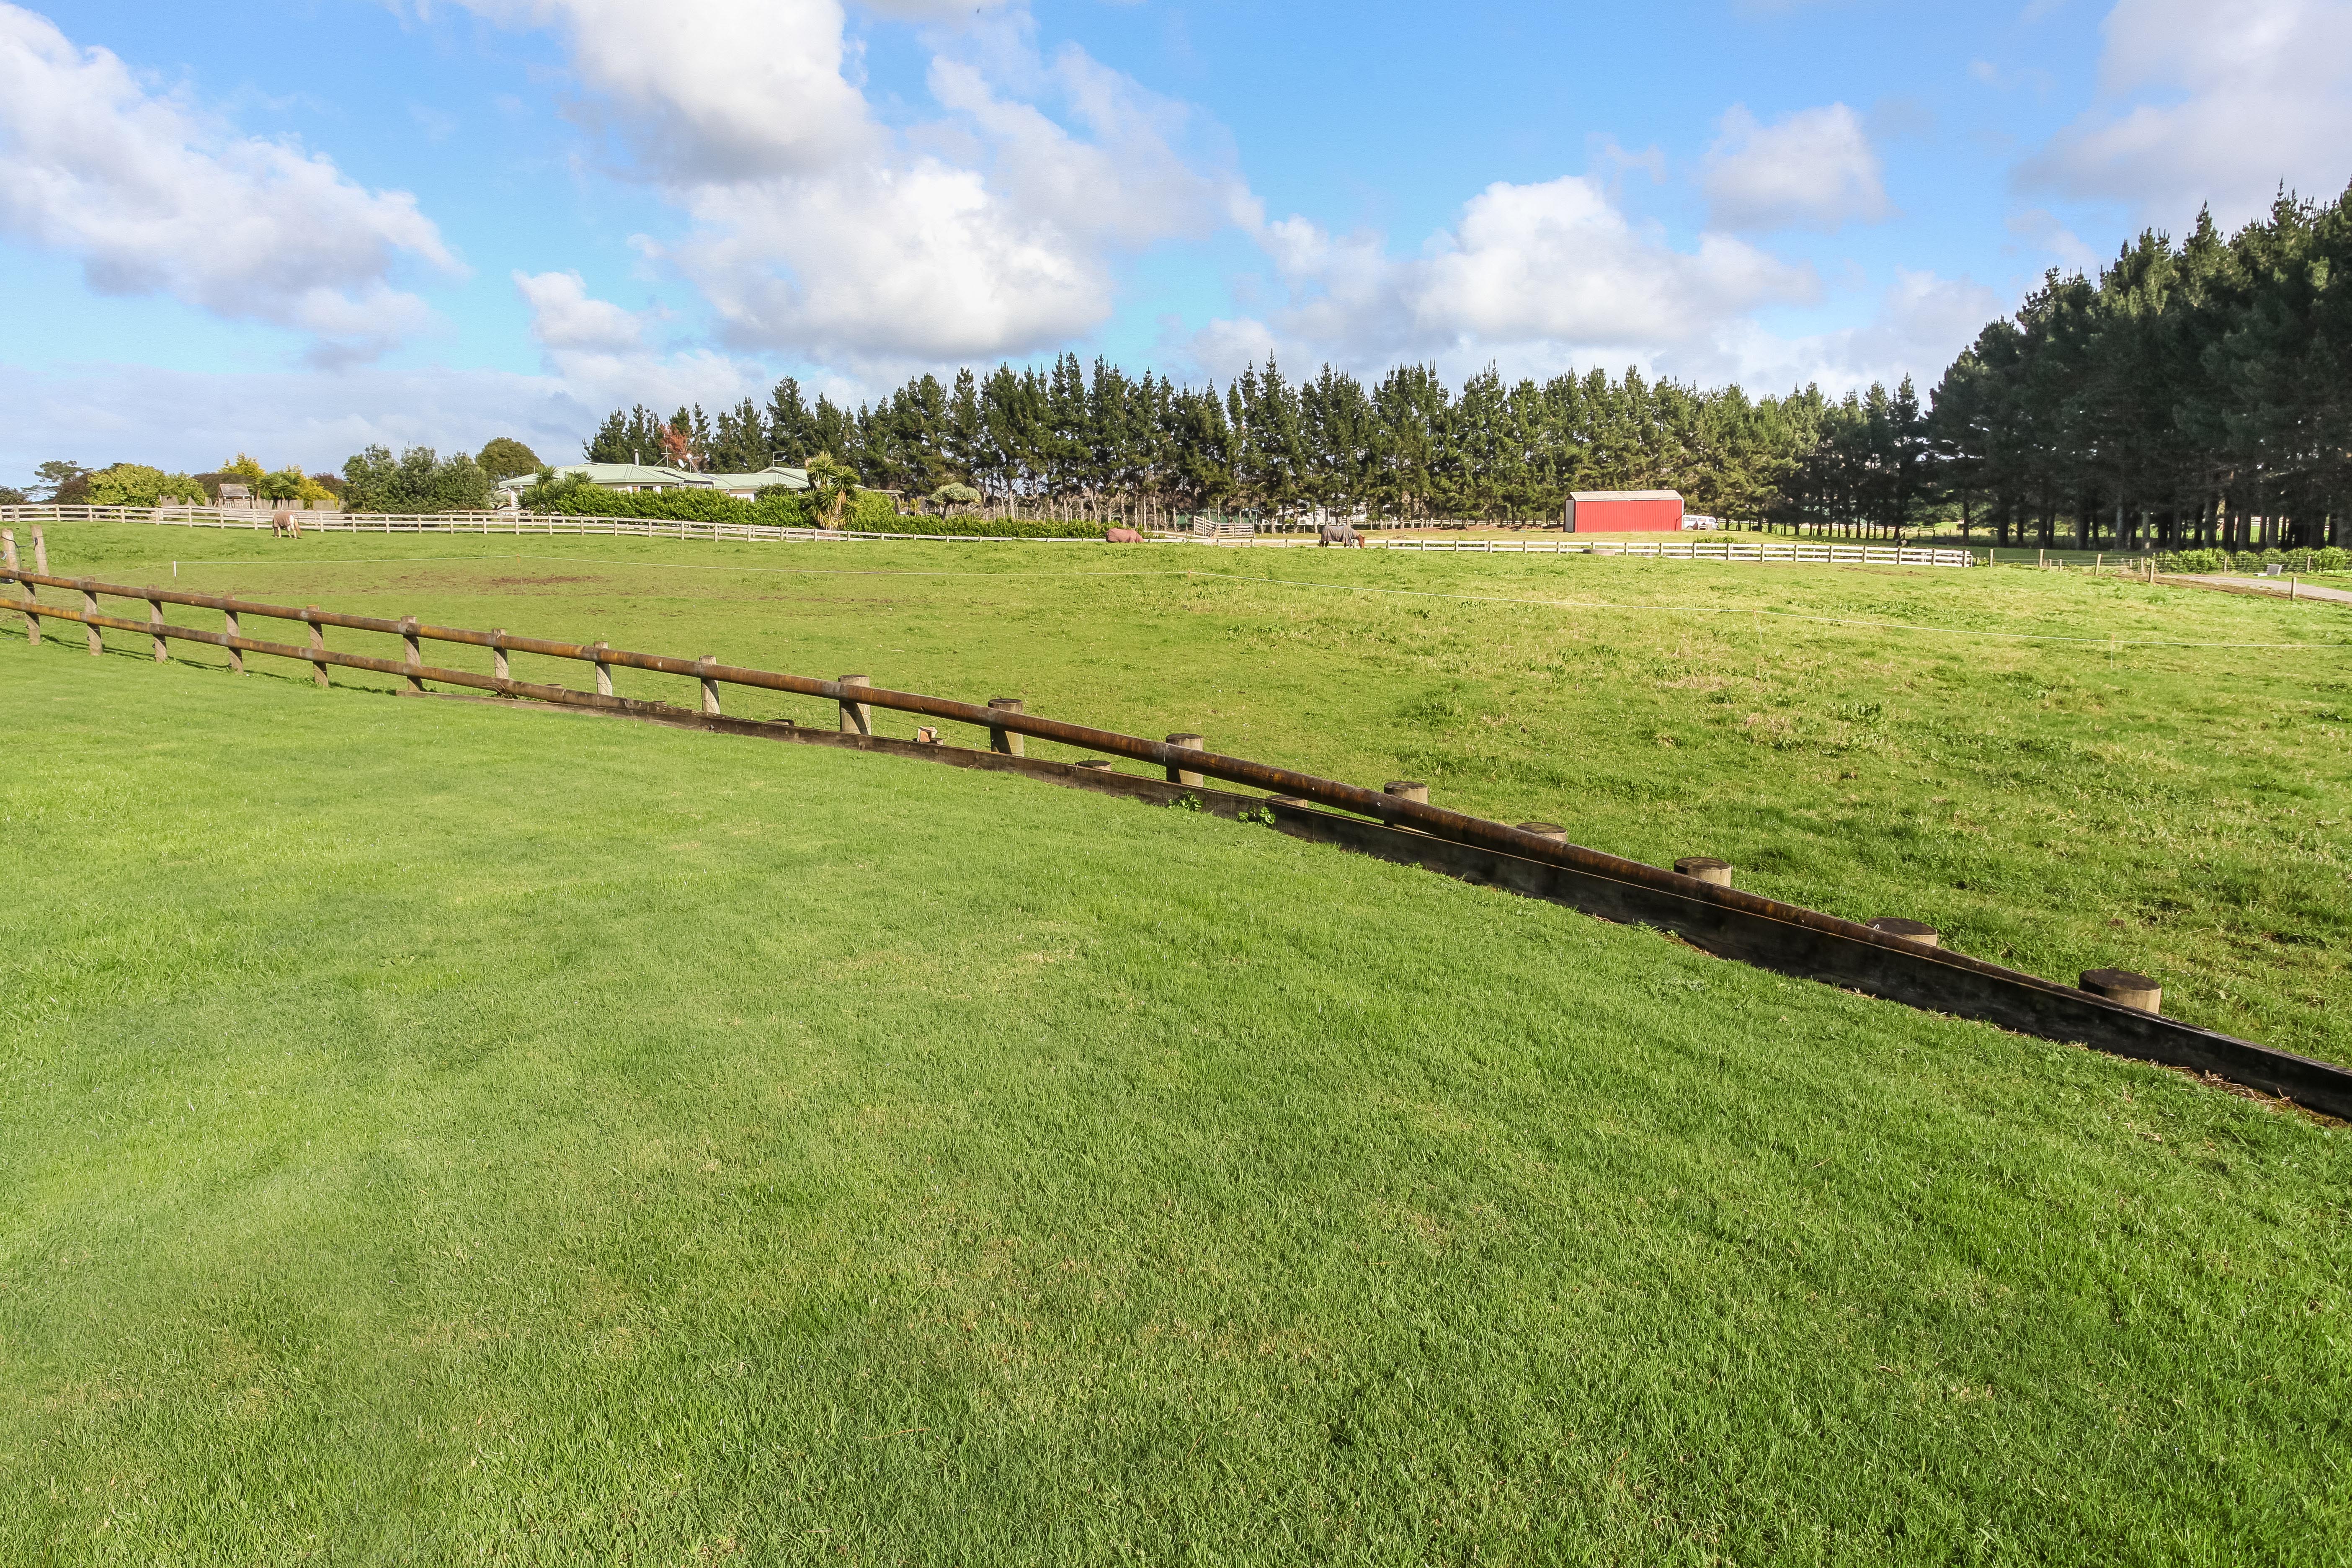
(2191, 394)
(1070, 440)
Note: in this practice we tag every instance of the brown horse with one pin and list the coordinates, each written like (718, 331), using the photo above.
(283, 523)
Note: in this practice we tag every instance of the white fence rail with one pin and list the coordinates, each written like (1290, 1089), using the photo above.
(519, 524)
(1705, 550)
(514, 524)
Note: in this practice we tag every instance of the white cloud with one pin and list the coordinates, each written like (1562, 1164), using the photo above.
(195, 420)
(596, 352)
(1919, 325)
(1549, 272)
(741, 90)
(2041, 228)
(1813, 168)
(919, 263)
(996, 228)
(936, 11)
(155, 197)
(565, 316)
(2210, 100)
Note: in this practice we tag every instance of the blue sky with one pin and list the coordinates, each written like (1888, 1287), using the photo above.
(296, 228)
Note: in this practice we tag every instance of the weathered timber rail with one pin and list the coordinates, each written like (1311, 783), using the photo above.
(1397, 827)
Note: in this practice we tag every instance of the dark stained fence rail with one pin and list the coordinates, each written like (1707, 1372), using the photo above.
(1397, 823)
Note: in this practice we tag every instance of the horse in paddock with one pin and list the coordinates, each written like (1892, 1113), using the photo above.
(1121, 536)
(1339, 534)
(283, 523)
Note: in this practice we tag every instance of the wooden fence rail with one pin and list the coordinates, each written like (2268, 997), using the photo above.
(1398, 822)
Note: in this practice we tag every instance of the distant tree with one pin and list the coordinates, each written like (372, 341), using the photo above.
(831, 480)
(948, 496)
(503, 456)
(135, 484)
(245, 471)
(57, 475)
(634, 436)
(419, 481)
(11, 496)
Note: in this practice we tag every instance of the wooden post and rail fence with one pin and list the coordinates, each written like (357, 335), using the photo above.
(1899, 960)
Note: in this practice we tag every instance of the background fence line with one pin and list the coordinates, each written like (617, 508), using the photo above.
(519, 524)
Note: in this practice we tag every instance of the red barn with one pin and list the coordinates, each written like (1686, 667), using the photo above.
(1625, 511)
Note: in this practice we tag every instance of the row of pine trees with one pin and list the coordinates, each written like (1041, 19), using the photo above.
(2192, 395)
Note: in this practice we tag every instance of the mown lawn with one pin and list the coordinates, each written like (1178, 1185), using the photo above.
(1865, 740)
(435, 1133)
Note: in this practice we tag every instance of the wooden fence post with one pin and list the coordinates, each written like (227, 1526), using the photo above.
(155, 630)
(415, 653)
(32, 618)
(1706, 868)
(856, 717)
(710, 687)
(317, 644)
(1191, 743)
(604, 671)
(96, 638)
(1011, 743)
(1910, 931)
(236, 655)
(1407, 789)
(1551, 830)
(40, 552)
(2122, 985)
(498, 653)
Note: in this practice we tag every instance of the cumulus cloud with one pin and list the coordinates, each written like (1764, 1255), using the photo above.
(742, 90)
(993, 228)
(195, 420)
(565, 316)
(1918, 325)
(155, 197)
(2214, 100)
(596, 351)
(1813, 168)
(1554, 270)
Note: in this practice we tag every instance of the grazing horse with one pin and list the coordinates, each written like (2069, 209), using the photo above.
(1339, 534)
(1121, 536)
(283, 523)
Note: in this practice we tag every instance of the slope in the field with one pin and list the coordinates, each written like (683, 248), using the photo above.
(430, 1132)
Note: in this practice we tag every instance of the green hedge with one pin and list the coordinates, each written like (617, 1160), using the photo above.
(577, 499)
(868, 512)
(980, 528)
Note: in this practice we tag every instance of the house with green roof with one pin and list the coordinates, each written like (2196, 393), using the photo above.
(632, 478)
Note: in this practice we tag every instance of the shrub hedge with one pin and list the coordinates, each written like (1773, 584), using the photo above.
(868, 512)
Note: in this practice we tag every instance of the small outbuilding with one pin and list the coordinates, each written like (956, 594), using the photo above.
(1624, 511)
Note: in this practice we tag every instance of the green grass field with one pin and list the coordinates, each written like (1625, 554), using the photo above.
(2056, 805)
(431, 1132)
